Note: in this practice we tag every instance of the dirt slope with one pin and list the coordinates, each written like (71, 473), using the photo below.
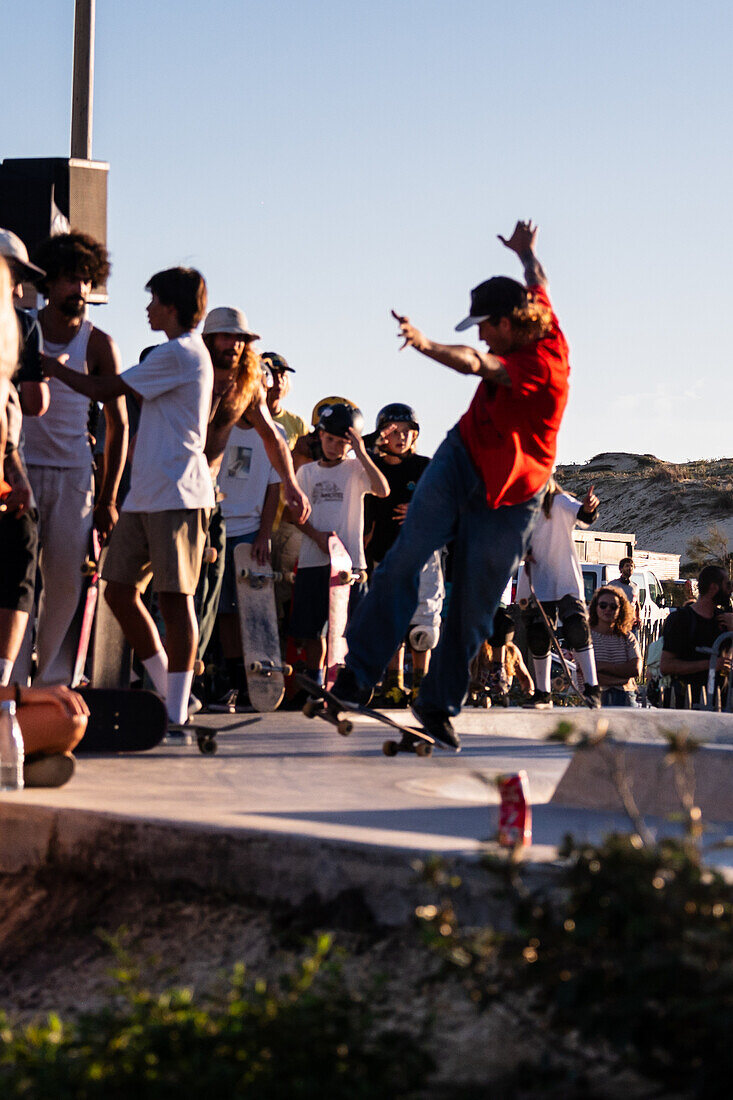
(664, 503)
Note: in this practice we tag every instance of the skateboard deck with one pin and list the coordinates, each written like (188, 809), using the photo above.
(111, 654)
(324, 704)
(88, 603)
(122, 721)
(258, 622)
(343, 575)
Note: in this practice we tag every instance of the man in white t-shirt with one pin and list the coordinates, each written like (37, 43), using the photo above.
(335, 486)
(162, 528)
(558, 583)
(250, 485)
(629, 588)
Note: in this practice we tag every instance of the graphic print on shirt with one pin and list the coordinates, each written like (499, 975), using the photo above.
(327, 491)
(239, 461)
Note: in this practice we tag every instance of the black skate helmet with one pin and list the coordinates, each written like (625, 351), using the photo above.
(337, 419)
(320, 405)
(397, 413)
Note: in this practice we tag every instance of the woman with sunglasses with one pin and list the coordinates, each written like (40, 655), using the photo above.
(618, 657)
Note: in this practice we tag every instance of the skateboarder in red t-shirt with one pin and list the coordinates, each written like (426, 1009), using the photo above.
(483, 489)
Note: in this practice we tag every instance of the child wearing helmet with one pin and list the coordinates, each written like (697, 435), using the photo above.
(395, 438)
(335, 485)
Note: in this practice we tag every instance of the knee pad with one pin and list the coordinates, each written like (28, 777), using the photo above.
(423, 638)
(538, 639)
(576, 632)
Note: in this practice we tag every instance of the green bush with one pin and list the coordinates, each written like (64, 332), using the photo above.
(632, 950)
(307, 1036)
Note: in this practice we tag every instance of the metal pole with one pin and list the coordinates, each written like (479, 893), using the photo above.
(83, 87)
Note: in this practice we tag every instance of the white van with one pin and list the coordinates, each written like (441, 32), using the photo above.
(651, 596)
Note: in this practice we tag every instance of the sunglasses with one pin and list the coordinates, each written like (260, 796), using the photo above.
(605, 606)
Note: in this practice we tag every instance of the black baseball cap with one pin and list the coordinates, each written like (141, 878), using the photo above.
(496, 298)
(274, 361)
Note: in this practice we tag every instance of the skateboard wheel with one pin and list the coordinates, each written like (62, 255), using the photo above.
(245, 572)
(390, 748)
(210, 555)
(289, 578)
(207, 745)
(198, 668)
(344, 726)
(287, 670)
(343, 577)
(309, 708)
(423, 749)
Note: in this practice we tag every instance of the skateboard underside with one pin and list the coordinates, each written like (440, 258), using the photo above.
(258, 624)
(122, 720)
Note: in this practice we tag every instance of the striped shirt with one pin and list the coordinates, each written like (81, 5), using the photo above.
(612, 649)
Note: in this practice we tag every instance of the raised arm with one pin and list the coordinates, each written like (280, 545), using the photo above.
(459, 357)
(522, 242)
(279, 455)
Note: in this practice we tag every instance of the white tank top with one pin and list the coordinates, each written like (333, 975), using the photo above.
(59, 437)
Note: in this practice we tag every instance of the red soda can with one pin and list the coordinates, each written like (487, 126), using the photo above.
(515, 810)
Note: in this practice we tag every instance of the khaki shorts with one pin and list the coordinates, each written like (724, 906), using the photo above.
(167, 546)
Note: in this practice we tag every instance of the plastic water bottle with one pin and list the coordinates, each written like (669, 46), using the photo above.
(11, 749)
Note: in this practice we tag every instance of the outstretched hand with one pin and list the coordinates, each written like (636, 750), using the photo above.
(590, 500)
(522, 239)
(411, 335)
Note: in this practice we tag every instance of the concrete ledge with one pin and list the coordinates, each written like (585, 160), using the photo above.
(588, 781)
(642, 724)
(267, 868)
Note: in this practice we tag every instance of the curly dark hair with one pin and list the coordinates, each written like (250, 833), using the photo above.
(74, 253)
(624, 620)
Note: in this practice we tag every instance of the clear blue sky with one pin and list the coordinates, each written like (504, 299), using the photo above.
(321, 162)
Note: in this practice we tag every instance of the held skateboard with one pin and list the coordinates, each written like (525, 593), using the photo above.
(554, 640)
(111, 653)
(122, 721)
(343, 575)
(258, 622)
(323, 704)
(88, 603)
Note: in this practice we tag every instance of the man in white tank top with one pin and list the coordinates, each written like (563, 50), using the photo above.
(58, 453)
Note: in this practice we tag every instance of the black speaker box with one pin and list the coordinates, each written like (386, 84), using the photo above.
(44, 195)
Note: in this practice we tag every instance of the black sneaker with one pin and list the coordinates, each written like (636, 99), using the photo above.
(541, 700)
(438, 725)
(348, 690)
(592, 693)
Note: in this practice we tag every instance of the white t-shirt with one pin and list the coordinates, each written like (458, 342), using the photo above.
(245, 473)
(336, 494)
(169, 469)
(556, 570)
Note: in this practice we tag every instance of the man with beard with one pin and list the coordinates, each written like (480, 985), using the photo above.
(238, 389)
(695, 627)
(57, 448)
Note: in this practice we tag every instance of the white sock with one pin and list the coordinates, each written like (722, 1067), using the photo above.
(542, 667)
(6, 669)
(179, 689)
(586, 662)
(157, 669)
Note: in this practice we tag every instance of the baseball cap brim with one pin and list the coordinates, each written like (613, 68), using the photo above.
(467, 322)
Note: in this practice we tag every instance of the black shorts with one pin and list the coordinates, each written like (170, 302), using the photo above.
(310, 601)
(18, 555)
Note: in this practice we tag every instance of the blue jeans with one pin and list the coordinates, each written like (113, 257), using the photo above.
(617, 697)
(449, 504)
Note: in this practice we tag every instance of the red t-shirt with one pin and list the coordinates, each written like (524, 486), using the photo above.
(511, 434)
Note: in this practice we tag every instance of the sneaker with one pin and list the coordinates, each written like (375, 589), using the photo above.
(348, 690)
(438, 725)
(194, 705)
(52, 770)
(541, 700)
(178, 735)
(592, 693)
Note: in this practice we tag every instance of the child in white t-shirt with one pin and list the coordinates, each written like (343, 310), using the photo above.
(558, 583)
(335, 486)
(162, 528)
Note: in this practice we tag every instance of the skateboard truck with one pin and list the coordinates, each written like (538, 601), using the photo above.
(268, 667)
